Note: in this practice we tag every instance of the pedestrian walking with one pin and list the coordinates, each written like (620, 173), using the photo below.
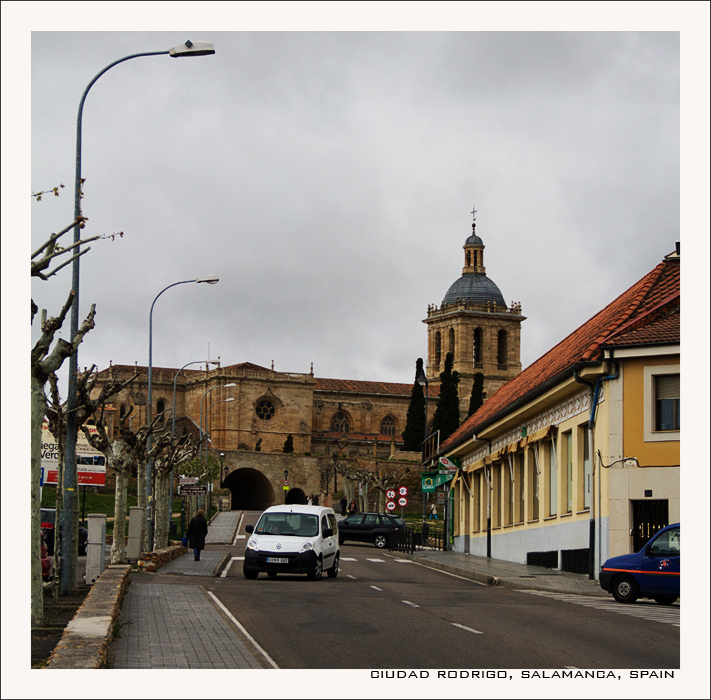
(344, 505)
(352, 508)
(197, 532)
(433, 512)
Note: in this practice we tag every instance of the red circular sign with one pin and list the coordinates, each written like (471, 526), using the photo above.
(402, 501)
(390, 505)
(403, 491)
(390, 494)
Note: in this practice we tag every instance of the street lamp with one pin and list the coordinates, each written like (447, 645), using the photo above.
(172, 428)
(422, 381)
(210, 279)
(202, 398)
(68, 546)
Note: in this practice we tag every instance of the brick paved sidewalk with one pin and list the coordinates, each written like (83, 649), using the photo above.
(166, 626)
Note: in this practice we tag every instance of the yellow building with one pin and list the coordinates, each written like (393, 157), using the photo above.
(577, 458)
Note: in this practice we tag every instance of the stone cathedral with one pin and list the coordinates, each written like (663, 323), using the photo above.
(249, 411)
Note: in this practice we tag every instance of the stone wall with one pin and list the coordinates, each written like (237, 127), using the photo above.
(87, 637)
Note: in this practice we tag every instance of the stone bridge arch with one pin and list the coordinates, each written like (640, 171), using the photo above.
(249, 490)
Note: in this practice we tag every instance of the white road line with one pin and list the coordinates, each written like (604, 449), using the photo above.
(353, 577)
(404, 561)
(412, 605)
(243, 630)
(381, 561)
(348, 559)
(468, 629)
(223, 573)
(376, 588)
(239, 525)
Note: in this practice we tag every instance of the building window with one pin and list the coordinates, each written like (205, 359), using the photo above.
(451, 341)
(567, 476)
(584, 469)
(502, 354)
(476, 501)
(265, 409)
(552, 481)
(160, 410)
(387, 427)
(509, 492)
(438, 349)
(476, 348)
(533, 479)
(340, 423)
(496, 495)
(520, 491)
(666, 402)
(662, 403)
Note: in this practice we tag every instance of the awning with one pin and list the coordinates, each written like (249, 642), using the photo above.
(539, 435)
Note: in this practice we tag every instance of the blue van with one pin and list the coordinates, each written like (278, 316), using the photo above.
(653, 572)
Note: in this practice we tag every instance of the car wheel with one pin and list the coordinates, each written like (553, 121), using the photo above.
(249, 573)
(380, 541)
(333, 571)
(665, 599)
(625, 590)
(316, 570)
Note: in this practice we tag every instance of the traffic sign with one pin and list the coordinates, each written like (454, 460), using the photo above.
(390, 494)
(390, 505)
(402, 501)
(402, 490)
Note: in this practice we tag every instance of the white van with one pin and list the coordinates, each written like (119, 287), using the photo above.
(293, 539)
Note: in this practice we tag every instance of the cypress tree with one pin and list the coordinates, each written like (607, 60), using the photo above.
(288, 444)
(446, 416)
(477, 397)
(414, 432)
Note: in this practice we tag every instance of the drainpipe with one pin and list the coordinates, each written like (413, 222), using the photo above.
(594, 397)
(487, 476)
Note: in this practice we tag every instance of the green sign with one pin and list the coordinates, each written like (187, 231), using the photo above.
(431, 480)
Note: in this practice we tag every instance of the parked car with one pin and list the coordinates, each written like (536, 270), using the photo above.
(653, 572)
(293, 539)
(369, 527)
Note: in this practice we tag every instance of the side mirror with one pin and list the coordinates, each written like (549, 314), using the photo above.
(249, 529)
(328, 532)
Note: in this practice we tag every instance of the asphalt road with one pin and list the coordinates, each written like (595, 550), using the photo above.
(386, 613)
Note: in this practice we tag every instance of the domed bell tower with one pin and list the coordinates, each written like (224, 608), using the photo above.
(475, 325)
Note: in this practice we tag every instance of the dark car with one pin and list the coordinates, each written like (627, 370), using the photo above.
(369, 527)
(653, 572)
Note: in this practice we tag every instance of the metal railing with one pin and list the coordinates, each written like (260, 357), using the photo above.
(416, 538)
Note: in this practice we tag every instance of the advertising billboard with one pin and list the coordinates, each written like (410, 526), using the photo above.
(91, 464)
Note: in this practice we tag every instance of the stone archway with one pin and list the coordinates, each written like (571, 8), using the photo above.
(296, 496)
(249, 490)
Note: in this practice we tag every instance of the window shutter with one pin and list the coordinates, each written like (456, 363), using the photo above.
(667, 386)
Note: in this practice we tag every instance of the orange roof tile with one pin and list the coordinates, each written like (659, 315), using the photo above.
(362, 387)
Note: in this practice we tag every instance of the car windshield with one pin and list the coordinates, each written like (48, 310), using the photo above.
(289, 524)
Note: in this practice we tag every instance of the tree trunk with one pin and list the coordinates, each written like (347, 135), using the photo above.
(118, 548)
(161, 511)
(37, 414)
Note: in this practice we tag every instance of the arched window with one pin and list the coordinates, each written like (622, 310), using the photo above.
(340, 423)
(451, 341)
(477, 347)
(503, 350)
(438, 349)
(387, 427)
(122, 410)
(160, 410)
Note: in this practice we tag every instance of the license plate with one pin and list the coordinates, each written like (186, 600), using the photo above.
(277, 560)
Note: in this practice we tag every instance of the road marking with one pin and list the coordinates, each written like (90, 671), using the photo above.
(239, 525)
(381, 561)
(223, 573)
(468, 629)
(348, 559)
(241, 537)
(404, 561)
(666, 614)
(376, 588)
(353, 577)
(412, 605)
(242, 629)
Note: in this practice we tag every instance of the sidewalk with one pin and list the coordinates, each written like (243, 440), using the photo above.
(494, 572)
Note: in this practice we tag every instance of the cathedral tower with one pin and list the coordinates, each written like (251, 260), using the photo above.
(475, 325)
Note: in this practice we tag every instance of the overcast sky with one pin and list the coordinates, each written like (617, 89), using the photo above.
(328, 179)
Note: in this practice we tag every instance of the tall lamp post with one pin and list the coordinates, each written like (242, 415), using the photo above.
(200, 48)
(210, 279)
(172, 428)
(422, 381)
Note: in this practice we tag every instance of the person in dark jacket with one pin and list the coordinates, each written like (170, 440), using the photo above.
(344, 505)
(197, 532)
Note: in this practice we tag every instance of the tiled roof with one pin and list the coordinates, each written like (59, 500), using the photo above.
(362, 387)
(644, 313)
